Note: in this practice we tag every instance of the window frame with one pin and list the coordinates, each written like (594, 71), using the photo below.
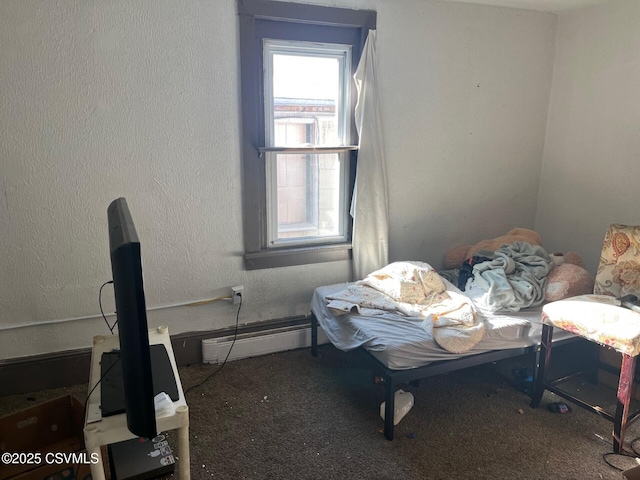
(342, 54)
(260, 19)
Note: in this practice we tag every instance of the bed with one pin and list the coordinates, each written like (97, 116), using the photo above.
(402, 350)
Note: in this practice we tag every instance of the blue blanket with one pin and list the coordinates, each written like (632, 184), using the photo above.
(515, 278)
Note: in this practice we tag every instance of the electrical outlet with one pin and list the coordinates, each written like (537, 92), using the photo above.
(236, 294)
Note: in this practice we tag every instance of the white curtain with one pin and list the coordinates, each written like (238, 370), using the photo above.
(369, 207)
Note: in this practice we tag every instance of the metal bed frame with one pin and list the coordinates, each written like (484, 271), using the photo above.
(392, 378)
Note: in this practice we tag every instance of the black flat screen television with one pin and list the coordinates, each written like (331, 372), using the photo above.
(131, 313)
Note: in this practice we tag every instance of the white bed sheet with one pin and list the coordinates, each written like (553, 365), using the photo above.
(400, 342)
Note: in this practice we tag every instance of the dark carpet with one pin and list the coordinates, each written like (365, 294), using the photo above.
(292, 416)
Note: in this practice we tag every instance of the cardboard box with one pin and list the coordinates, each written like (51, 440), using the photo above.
(632, 473)
(45, 442)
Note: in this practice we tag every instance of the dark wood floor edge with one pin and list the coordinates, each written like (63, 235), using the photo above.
(71, 367)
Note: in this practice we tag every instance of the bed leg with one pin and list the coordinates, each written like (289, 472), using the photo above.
(314, 335)
(543, 361)
(389, 408)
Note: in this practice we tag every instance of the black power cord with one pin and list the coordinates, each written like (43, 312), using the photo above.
(235, 336)
(86, 402)
(110, 327)
(609, 455)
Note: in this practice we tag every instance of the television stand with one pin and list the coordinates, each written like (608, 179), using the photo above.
(99, 430)
(112, 396)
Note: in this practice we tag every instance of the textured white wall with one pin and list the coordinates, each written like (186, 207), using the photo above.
(465, 94)
(555, 6)
(591, 162)
(100, 99)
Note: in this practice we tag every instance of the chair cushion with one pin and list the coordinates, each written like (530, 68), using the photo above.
(598, 318)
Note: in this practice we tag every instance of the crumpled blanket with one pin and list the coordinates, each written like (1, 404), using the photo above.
(455, 325)
(515, 278)
(414, 289)
(408, 282)
(405, 287)
(358, 298)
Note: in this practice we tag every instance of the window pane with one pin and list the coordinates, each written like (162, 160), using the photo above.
(306, 93)
(308, 197)
(307, 85)
(306, 98)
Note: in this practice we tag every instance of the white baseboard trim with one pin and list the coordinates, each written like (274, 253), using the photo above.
(215, 350)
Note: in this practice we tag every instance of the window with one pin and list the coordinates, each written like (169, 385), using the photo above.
(306, 99)
(298, 96)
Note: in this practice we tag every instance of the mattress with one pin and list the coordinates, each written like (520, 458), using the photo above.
(400, 342)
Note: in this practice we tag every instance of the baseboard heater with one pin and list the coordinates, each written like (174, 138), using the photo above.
(215, 350)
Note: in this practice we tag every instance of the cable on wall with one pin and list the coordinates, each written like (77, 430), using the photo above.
(103, 315)
(215, 372)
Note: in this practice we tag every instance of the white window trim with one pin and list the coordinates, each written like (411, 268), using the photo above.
(341, 53)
